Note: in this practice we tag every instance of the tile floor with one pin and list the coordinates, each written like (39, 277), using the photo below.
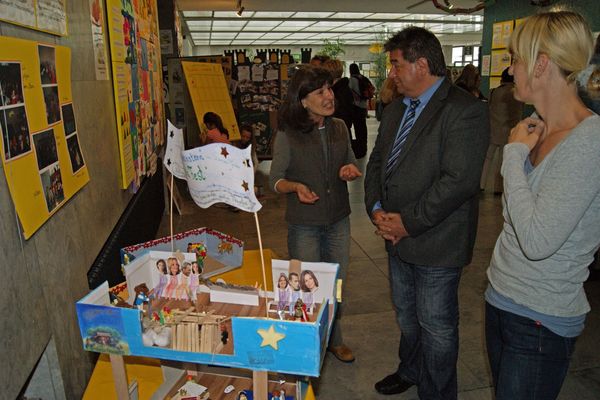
(369, 321)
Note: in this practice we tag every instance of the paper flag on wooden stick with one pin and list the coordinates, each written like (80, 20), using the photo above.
(221, 173)
(173, 160)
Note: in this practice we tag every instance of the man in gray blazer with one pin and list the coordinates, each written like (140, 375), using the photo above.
(421, 190)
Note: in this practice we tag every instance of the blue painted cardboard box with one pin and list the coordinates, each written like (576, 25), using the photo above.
(259, 343)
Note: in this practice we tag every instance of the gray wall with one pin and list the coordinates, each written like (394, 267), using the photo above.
(43, 277)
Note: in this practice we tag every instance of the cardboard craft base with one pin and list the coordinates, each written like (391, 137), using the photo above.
(257, 343)
(224, 252)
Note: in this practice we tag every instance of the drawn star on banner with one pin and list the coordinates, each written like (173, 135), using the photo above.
(224, 152)
(245, 185)
(270, 337)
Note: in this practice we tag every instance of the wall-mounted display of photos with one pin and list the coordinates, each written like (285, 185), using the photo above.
(41, 152)
(137, 82)
(42, 15)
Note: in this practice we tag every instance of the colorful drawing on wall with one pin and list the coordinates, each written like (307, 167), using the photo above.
(36, 115)
(43, 15)
(137, 82)
(210, 93)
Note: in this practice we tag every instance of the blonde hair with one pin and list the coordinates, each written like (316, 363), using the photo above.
(564, 36)
(335, 68)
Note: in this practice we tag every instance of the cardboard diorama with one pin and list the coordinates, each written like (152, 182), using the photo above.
(172, 312)
(215, 252)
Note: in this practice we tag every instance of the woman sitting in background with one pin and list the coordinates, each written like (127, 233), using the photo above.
(216, 131)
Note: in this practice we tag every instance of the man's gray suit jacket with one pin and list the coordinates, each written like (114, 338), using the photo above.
(435, 182)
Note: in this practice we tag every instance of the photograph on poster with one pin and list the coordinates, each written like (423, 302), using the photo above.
(75, 153)
(15, 132)
(11, 88)
(68, 118)
(47, 65)
(45, 148)
(52, 186)
(52, 105)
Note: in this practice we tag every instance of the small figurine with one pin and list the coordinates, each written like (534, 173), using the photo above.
(224, 335)
(300, 311)
(141, 296)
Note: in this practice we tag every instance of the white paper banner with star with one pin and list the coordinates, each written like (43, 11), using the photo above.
(221, 173)
(173, 160)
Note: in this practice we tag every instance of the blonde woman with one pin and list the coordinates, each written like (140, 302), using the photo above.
(536, 305)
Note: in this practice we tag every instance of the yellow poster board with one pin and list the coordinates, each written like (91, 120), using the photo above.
(507, 30)
(41, 151)
(497, 35)
(137, 84)
(209, 92)
(500, 60)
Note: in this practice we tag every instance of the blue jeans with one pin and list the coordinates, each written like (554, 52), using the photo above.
(528, 361)
(323, 243)
(426, 303)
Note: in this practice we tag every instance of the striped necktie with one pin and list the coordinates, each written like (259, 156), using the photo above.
(401, 136)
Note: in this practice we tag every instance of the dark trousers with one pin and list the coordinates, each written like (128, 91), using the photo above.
(528, 361)
(426, 303)
(359, 121)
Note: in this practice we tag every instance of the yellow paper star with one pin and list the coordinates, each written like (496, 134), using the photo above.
(270, 337)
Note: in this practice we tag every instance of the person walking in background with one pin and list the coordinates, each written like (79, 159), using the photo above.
(318, 60)
(359, 111)
(505, 113)
(312, 161)
(344, 100)
(535, 301)
(421, 191)
(470, 80)
(589, 81)
(388, 93)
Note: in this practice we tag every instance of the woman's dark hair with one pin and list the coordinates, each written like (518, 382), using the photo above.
(415, 42)
(215, 120)
(302, 284)
(354, 70)
(247, 128)
(506, 77)
(469, 78)
(292, 113)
